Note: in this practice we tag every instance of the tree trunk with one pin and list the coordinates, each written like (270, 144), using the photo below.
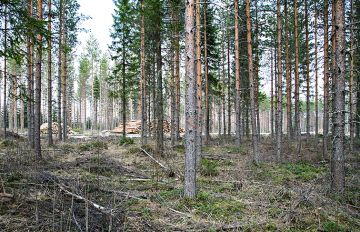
(30, 83)
(229, 85)
(272, 93)
(307, 69)
(297, 79)
(199, 81)
(351, 83)
(143, 80)
(38, 73)
(223, 83)
(50, 138)
(279, 85)
(337, 161)
(288, 75)
(207, 109)
(61, 31)
(64, 82)
(159, 95)
(237, 75)
(177, 77)
(326, 79)
(5, 69)
(190, 105)
(252, 87)
(316, 78)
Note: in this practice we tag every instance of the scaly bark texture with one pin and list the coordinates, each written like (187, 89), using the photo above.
(61, 31)
(50, 138)
(337, 159)
(279, 85)
(326, 79)
(297, 79)
(271, 93)
(237, 76)
(5, 70)
(37, 106)
(207, 106)
(190, 103)
(288, 75)
(351, 83)
(255, 142)
(316, 78)
(307, 69)
(30, 83)
(142, 79)
(198, 82)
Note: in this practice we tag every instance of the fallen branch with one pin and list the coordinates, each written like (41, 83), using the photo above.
(167, 169)
(96, 206)
(181, 213)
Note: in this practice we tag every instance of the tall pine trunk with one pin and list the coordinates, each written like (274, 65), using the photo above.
(255, 142)
(326, 80)
(307, 69)
(279, 85)
(50, 138)
(30, 83)
(142, 79)
(288, 75)
(337, 161)
(316, 78)
(198, 82)
(207, 106)
(237, 76)
(297, 79)
(5, 69)
(61, 31)
(190, 103)
(37, 106)
(351, 83)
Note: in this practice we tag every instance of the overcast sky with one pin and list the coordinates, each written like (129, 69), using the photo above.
(100, 22)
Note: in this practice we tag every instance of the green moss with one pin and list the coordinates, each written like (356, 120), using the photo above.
(331, 226)
(288, 172)
(102, 170)
(93, 145)
(215, 207)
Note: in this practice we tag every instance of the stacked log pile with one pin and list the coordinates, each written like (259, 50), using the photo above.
(134, 127)
(55, 128)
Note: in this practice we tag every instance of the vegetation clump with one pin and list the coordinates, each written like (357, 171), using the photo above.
(126, 141)
(209, 167)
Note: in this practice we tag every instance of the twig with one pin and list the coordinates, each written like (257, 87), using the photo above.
(96, 206)
(158, 162)
(178, 212)
(76, 222)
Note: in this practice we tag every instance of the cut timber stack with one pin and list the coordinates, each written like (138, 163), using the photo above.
(55, 128)
(134, 127)
(131, 127)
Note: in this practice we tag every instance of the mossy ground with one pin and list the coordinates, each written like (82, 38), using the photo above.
(233, 194)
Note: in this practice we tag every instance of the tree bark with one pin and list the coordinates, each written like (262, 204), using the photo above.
(61, 31)
(279, 85)
(190, 106)
(252, 87)
(199, 81)
(143, 80)
(207, 107)
(159, 94)
(351, 83)
(288, 75)
(297, 79)
(326, 80)
(316, 78)
(5, 70)
(237, 76)
(307, 69)
(50, 138)
(272, 93)
(337, 161)
(37, 106)
(229, 86)
(30, 83)
(64, 80)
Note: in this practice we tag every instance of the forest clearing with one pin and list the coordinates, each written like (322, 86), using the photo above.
(179, 115)
(137, 194)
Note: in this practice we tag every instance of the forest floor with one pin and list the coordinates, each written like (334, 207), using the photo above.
(110, 184)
